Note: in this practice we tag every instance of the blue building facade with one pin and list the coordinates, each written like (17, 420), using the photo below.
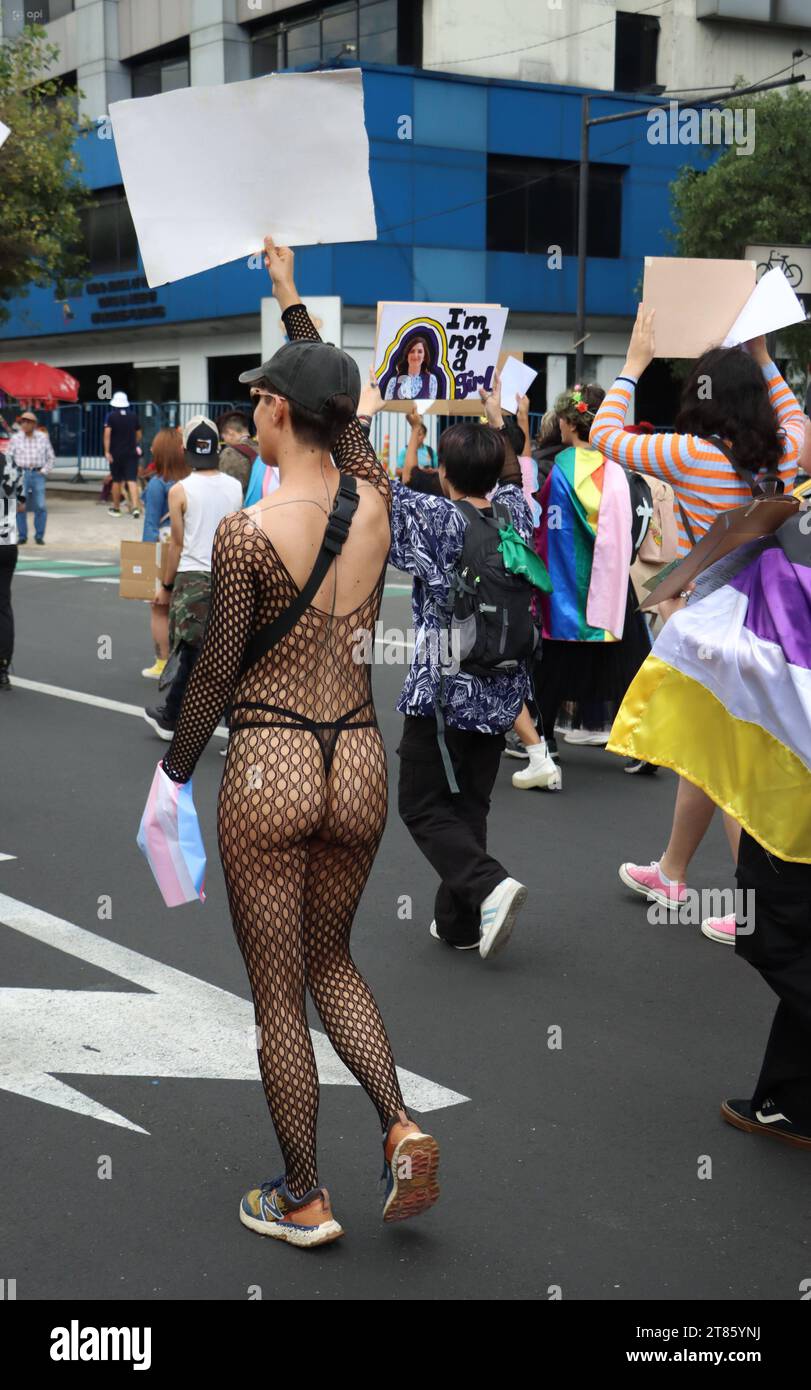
(433, 139)
(429, 178)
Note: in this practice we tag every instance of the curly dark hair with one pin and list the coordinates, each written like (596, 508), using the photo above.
(726, 394)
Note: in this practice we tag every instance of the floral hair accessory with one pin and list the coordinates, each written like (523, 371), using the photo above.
(577, 401)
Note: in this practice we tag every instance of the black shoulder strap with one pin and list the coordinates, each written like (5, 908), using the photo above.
(754, 482)
(472, 513)
(343, 510)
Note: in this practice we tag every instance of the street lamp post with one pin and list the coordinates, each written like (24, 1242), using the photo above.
(586, 123)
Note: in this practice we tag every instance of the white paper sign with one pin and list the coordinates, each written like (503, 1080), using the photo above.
(516, 379)
(771, 305)
(437, 352)
(4, 133)
(210, 171)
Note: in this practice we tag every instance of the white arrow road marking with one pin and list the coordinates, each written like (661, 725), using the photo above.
(8, 856)
(183, 1027)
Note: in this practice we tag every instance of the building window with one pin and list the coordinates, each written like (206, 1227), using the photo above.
(636, 43)
(163, 73)
(532, 206)
(110, 241)
(366, 31)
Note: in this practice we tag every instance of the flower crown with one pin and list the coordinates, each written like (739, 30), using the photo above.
(577, 401)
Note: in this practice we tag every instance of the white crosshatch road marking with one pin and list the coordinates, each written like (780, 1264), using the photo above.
(183, 1027)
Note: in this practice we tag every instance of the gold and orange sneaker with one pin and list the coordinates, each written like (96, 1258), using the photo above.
(410, 1167)
(304, 1221)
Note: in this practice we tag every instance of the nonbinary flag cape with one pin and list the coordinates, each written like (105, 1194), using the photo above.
(725, 696)
(169, 836)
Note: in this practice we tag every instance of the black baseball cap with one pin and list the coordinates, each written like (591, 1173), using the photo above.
(201, 441)
(310, 374)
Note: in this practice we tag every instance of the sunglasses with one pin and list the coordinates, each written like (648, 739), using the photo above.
(257, 394)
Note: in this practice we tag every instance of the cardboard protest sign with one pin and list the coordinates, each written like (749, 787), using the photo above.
(439, 353)
(696, 301)
(749, 522)
(4, 133)
(293, 147)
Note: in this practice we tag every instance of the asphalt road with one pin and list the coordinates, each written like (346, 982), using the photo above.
(574, 1166)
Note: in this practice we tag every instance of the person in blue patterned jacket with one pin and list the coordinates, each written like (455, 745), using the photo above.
(477, 900)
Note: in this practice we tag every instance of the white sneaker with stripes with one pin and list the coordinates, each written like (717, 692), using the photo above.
(499, 911)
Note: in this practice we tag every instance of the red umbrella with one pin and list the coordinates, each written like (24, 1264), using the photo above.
(36, 381)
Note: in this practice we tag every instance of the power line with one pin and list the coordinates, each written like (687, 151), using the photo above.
(543, 43)
(544, 178)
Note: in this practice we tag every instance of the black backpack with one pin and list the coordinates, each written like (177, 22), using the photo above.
(489, 624)
(490, 627)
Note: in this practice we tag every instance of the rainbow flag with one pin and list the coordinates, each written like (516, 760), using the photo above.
(570, 506)
(725, 696)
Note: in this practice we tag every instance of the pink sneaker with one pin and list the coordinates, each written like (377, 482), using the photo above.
(720, 928)
(647, 879)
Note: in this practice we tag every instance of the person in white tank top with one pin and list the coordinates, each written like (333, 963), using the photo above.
(197, 505)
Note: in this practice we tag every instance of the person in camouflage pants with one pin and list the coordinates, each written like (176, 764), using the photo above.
(189, 608)
(197, 504)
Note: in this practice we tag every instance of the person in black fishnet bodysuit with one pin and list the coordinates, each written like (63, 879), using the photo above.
(302, 805)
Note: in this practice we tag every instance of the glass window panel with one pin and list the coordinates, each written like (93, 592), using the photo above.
(266, 56)
(506, 212)
(339, 30)
(605, 212)
(552, 210)
(146, 80)
(55, 9)
(303, 44)
(127, 240)
(175, 74)
(378, 32)
(101, 226)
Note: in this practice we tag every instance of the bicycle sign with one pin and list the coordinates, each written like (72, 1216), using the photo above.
(794, 261)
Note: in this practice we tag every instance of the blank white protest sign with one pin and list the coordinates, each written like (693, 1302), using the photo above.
(4, 133)
(210, 171)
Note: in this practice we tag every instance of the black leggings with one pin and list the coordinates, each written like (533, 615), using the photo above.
(8, 561)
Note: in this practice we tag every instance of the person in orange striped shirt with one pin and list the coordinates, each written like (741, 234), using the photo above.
(733, 395)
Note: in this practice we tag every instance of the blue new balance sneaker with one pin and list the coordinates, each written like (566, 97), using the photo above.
(268, 1210)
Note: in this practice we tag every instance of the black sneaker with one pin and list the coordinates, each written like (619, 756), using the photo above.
(637, 767)
(22, 540)
(156, 717)
(5, 683)
(767, 1118)
(39, 540)
(513, 747)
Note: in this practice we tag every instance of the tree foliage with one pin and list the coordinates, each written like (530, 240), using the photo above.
(755, 199)
(41, 192)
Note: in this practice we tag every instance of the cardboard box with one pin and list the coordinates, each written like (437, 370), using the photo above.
(142, 568)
